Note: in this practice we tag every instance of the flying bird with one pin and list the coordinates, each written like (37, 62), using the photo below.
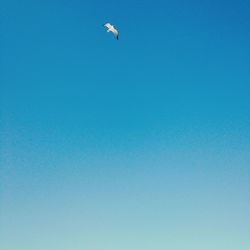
(112, 29)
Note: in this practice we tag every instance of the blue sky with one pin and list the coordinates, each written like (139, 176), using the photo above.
(141, 143)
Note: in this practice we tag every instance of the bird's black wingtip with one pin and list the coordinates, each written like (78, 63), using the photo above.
(117, 38)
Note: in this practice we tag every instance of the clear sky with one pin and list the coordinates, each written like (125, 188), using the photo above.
(139, 144)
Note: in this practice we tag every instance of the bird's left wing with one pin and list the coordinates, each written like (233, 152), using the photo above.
(108, 25)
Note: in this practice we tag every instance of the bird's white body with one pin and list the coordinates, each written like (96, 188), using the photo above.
(112, 29)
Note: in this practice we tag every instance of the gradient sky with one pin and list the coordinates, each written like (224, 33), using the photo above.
(139, 144)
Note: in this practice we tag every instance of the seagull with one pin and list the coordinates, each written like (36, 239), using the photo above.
(112, 29)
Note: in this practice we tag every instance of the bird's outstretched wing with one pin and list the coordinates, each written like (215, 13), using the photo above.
(116, 33)
(108, 25)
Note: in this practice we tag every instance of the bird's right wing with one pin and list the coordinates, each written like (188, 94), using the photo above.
(116, 33)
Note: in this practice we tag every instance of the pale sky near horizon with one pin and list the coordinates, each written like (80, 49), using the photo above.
(141, 143)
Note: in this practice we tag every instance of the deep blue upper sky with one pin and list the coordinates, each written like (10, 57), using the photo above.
(141, 143)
